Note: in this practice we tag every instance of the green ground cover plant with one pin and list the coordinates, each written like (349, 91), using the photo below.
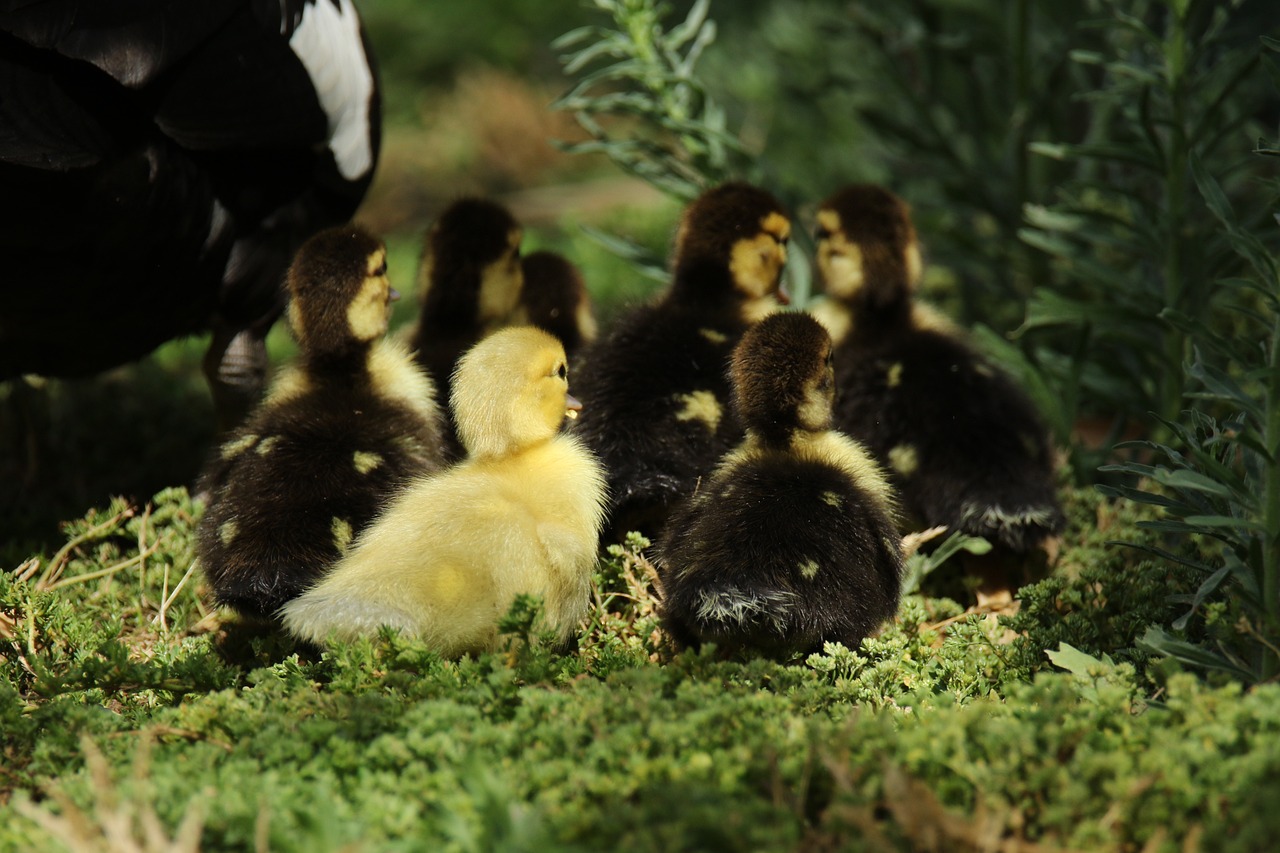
(128, 707)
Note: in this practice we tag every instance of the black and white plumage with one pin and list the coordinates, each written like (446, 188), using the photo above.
(792, 541)
(341, 432)
(963, 443)
(655, 392)
(160, 161)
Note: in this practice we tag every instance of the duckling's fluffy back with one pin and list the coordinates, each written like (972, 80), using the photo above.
(783, 549)
(963, 442)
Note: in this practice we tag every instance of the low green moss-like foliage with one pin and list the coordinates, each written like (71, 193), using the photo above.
(127, 706)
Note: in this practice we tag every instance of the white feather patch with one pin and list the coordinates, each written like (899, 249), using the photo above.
(737, 607)
(327, 43)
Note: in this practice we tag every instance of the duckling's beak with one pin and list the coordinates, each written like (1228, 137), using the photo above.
(393, 295)
(572, 406)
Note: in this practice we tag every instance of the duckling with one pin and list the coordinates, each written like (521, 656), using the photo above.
(469, 282)
(963, 443)
(655, 389)
(161, 164)
(555, 299)
(340, 431)
(792, 541)
(521, 514)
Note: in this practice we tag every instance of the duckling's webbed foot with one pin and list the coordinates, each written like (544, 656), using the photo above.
(236, 368)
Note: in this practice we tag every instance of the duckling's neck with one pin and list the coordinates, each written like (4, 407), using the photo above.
(341, 363)
(846, 319)
(709, 289)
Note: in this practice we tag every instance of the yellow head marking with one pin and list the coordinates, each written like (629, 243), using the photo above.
(501, 283)
(700, 406)
(370, 310)
(756, 262)
(904, 460)
(809, 569)
(814, 412)
(839, 259)
(915, 264)
(342, 534)
(227, 532)
(586, 321)
(893, 377)
(236, 446)
(294, 316)
(832, 499)
(366, 462)
(268, 444)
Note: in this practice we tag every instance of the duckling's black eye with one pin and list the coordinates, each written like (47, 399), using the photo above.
(562, 372)
(822, 233)
(381, 270)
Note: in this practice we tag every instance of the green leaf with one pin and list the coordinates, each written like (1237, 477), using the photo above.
(1226, 521)
(1190, 480)
(1073, 660)
(1206, 589)
(1158, 641)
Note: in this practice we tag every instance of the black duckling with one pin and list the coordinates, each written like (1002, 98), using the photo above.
(520, 515)
(469, 284)
(655, 391)
(339, 433)
(162, 161)
(963, 443)
(555, 299)
(792, 541)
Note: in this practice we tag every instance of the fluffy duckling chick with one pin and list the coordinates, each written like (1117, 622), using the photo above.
(963, 443)
(792, 541)
(469, 284)
(521, 514)
(555, 299)
(340, 431)
(655, 389)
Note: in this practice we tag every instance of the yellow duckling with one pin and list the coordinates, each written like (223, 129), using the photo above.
(469, 281)
(521, 514)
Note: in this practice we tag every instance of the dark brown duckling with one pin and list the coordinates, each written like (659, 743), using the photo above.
(963, 443)
(341, 431)
(555, 299)
(469, 284)
(792, 541)
(655, 391)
